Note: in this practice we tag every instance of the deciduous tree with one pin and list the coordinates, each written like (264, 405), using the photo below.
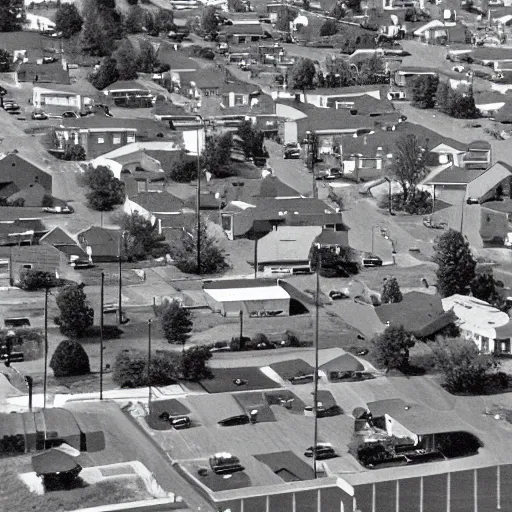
(75, 153)
(147, 60)
(409, 164)
(68, 20)
(252, 140)
(392, 347)
(11, 15)
(69, 360)
(328, 28)
(302, 74)
(76, 314)
(217, 155)
(36, 280)
(106, 191)
(424, 90)
(126, 58)
(456, 265)
(194, 364)
(106, 75)
(134, 22)
(176, 323)
(209, 19)
(484, 287)
(183, 169)
(391, 292)
(5, 61)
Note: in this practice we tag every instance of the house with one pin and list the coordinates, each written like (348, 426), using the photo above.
(100, 244)
(450, 184)
(391, 5)
(252, 297)
(446, 151)
(286, 250)
(487, 326)
(125, 89)
(433, 32)
(101, 134)
(490, 104)
(236, 94)
(346, 365)
(496, 223)
(419, 313)
(62, 97)
(332, 240)
(200, 84)
(261, 215)
(44, 258)
(242, 33)
(52, 73)
(478, 155)
(494, 182)
(495, 57)
(18, 174)
(21, 231)
(65, 243)
(405, 76)
(153, 204)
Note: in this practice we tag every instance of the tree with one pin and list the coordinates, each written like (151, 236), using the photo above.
(329, 28)
(464, 369)
(484, 287)
(107, 74)
(183, 170)
(409, 165)
(5, 61)
(217, 155)
(463, 105)
(147, 60)
(236, 6)
(306, 5)
(164, 22)
(341, 74)
(391, 291)
(11, 15)
(126, 58)
(134, 22)
(194, 364)
(101, 28)
(302, 74)
(74, 152)
(338, 11)
(442, 97)
(76, 315)
(372, 71)
(143, 240)
(252, 140)
(70, 360)
(284, 17)
(209, 19)
(176, 323)
(424, 90)
(68, 20)
(184, 252)
(392, 348)
(36, 280)
(456, 266)
(131, 369)
(106, 191)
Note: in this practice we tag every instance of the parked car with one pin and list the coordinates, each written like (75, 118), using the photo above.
(11, 106)
(241, 419)
(323, 451)
(372, 261)
(180, 422)
(459, 69)
(329, 174)
(39, 116)
(472, 200)
(70, 114)
(291, 150)
(337, 295)
(58, 209)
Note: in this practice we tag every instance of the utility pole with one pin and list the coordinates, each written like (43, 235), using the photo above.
(255, 258)
(198, 196)
(311, 158)
(149, 364)
(120, 315)
(242, 344)
(315, 392)
(101, 333)
(45, 378)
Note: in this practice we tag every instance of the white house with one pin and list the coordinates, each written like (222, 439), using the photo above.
(61, 97)
(487, 326)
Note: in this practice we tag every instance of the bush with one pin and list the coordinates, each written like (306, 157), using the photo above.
(132, 2)
(176, 323)
(235, 344)
(36, 280)
(194, 364)
(418, 204)
(74, 153)
(329, 28)
(183, 170)
(70, 360)
(391, 348)
(76, 315)
(131, 369)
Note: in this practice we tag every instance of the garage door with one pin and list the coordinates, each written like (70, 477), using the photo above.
(450, 195)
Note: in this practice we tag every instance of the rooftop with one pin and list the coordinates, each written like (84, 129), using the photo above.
(247, 294)
(158, 201)
(131, 85)
(456, 175)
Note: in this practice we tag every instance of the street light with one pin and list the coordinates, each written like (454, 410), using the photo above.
(311, 158)
(149, 364)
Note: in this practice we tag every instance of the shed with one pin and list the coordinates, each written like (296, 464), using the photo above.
(251, 300)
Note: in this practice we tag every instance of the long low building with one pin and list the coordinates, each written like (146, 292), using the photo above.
(255, 297)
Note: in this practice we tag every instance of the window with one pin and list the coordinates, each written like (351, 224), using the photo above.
(239, 99)
(101, 140)
(241, 39)
(141, 185)
(28, 266)
(130, 138)
(116, 139)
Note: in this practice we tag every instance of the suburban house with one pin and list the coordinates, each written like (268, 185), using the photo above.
(62, 97)
(200, 84)
(450, 184)
(286, 250)
(419, 313)
(241, 33)
(496, 223)
(478, 155)
(100, 244)
(236, 94)
(242, 219)
(493, 183)
(153, 204)
(65, 243)
(404, 76)
(487, 326)
(101, 134)
(433, 32)
(123, 90)
(21, 231)
(44, 258)
(490, 103)
(495, 57)
(19, 175)
(52, 73)
(253, 297)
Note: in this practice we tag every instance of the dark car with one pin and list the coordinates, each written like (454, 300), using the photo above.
(11, 106)
(372, 261)
(225, 463)
(291, 150)
(337, 295)
(70, 114)
(242, 419)
(325, 412)
(39, 116)
(472, 200)
(323, 452)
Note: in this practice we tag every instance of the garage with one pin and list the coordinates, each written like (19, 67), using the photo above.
(254, 301)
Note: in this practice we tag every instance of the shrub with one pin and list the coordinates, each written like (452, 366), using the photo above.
(194, 364)
(176, 323)
(36, 280)
(76, 315)
(235, 344)
(74, 153)
(69, 360)
(391, 348)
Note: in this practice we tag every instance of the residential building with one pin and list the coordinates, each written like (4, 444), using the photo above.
(433, 32)
(407, 74)
(478, 155)
(496, 223)
(65, 243)
(200, 84)
(286, 250)
(495, 182)
(153, 205)
(127, 88)
(18, 174)
(100, 244)
(253, 298)
(60, 97)
(21, 231)
(237, 94)
(419, 313)
(100, 134)
(242, 33)
(487, 326)
(451, 183)
(261, 215)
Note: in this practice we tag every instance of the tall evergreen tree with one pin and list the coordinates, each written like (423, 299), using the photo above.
(456, 265)
(76, 314)
(68, 20)
(391, 292)
(107, 74)
(146, 60)
(11, 15)
(424, 91)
